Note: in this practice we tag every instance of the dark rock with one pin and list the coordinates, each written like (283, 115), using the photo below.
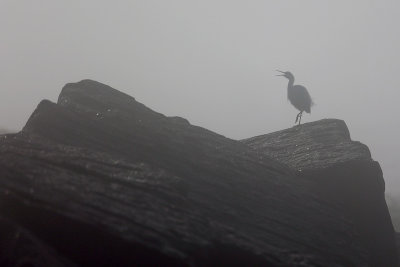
(102, 180)
(343, 172)
(311, 146)
(398, 242)
(393, 202)
(20, 248)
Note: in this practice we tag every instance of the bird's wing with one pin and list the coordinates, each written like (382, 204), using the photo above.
(303, 98)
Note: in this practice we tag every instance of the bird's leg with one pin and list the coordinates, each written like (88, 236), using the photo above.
(300, 115)
(297, 117)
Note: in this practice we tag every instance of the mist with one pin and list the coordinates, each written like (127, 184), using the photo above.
(213, 62)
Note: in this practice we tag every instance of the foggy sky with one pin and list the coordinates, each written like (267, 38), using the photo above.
(213, 61)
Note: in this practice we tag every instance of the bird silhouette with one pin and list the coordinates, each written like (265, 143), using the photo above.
(297, 95)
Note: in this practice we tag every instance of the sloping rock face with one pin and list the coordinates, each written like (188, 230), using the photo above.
(98, 179)
(311, 146)
(398, 242)
(343, 172)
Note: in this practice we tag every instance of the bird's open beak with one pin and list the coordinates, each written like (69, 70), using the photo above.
(280, 72)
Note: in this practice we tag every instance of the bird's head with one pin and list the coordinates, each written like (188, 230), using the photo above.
(286, 74)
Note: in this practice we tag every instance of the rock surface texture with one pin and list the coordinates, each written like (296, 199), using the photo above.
(99, 179)
(342, 171)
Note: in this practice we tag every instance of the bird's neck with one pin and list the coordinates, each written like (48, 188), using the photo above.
(291, 82)
(290, 85)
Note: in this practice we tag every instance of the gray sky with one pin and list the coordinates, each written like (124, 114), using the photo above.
(213, 61)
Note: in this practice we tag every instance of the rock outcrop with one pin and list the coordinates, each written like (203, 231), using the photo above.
(99, 179)
(343, 172)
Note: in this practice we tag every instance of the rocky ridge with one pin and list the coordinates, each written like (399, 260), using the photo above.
(99, 179)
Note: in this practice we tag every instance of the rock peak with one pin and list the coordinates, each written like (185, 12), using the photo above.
(92, 89)
(313, 145)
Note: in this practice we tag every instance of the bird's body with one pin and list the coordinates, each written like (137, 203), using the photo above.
(297, 95)
(300, 98)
